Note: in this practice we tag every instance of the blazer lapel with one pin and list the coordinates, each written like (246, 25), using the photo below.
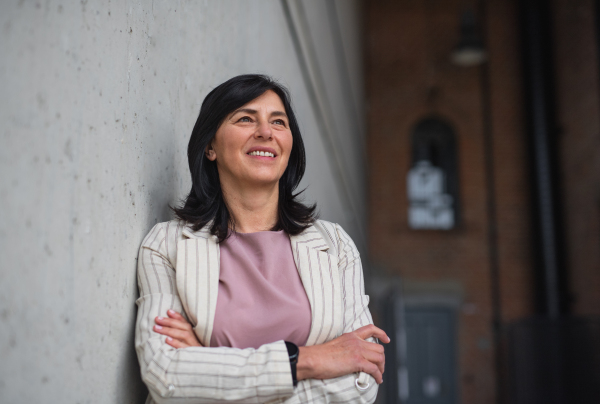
(197, 276)
(319, 274)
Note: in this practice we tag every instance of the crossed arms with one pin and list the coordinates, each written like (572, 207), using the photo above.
(196, 374)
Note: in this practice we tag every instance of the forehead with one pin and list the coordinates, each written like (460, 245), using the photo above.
(269, 101)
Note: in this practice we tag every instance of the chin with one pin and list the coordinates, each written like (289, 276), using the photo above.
(262, 176)
(264, 180)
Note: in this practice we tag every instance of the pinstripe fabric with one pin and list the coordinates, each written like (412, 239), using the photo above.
(179, 269)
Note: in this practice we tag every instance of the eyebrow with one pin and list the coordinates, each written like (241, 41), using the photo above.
(253, 111)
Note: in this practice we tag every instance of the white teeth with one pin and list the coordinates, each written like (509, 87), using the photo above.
(261, 153)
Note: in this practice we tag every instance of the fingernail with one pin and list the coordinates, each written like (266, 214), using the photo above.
(158, 327)
(169, 339)
(159, 318)
(171, 311)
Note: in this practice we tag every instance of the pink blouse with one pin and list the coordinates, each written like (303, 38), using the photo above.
(261, 298)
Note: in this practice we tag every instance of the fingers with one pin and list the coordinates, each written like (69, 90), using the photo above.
(376, 358)
(371, 352)
(175, 320)
(373, 346)
(373, 370)
(178, 330)
(172, 323)
(175, 315)
(369, 331)
(176, 343)
(172, 332)
(181, 338)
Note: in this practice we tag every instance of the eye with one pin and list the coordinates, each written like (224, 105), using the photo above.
(245, 119)
(279, 122)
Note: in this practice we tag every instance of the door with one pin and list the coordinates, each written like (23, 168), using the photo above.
(430, 368)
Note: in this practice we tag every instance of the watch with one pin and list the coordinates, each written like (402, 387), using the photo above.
(293, 353)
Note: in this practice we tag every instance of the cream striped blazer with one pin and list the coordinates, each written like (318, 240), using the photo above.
(179, 269)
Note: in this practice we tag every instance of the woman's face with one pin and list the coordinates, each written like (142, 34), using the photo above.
(253, 144)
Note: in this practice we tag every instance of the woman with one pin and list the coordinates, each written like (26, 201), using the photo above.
(246, 297)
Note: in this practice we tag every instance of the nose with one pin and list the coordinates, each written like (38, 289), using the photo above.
(264, 130)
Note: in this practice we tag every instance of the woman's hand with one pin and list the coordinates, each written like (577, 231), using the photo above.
(346, 354)
(178, 330)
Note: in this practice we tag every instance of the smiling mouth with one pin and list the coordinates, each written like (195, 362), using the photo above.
(261, 154)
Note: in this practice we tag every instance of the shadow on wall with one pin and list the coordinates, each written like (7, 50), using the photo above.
(160, 180)
(133, 391)
(158, 186)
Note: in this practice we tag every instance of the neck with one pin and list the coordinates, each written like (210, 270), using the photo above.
(252, 208)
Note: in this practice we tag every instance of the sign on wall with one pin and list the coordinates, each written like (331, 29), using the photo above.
(432, 187)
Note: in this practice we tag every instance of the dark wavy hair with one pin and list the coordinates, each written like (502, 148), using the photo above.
(205, 201)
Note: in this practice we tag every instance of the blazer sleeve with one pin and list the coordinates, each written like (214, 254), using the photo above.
(358, 387)
(197, 374)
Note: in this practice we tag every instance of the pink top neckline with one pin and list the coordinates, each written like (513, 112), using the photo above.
(261, 297)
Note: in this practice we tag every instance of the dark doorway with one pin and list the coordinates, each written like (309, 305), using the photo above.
(430, 355)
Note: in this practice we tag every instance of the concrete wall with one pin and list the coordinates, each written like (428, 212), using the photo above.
(98, 101)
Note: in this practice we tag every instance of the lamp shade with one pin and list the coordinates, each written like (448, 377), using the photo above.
(470, 50)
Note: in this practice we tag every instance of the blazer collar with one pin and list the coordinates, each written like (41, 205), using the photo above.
(198, 267)
(202, 233)
(310, 237)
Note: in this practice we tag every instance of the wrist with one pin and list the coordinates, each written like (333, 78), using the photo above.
(305, 365)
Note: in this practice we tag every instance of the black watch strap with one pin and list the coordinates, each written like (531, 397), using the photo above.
(293, 353)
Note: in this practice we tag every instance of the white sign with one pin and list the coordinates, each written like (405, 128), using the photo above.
(430, 207)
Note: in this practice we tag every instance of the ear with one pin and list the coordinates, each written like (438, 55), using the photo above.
(210, 153)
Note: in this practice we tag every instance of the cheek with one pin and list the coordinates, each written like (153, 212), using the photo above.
(287, 144)
(288, 154)
(227, 144)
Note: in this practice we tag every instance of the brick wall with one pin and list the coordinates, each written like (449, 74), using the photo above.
(410, 76)
(578, 107)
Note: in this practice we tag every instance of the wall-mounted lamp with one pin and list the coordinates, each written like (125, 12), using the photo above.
(470, 50)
